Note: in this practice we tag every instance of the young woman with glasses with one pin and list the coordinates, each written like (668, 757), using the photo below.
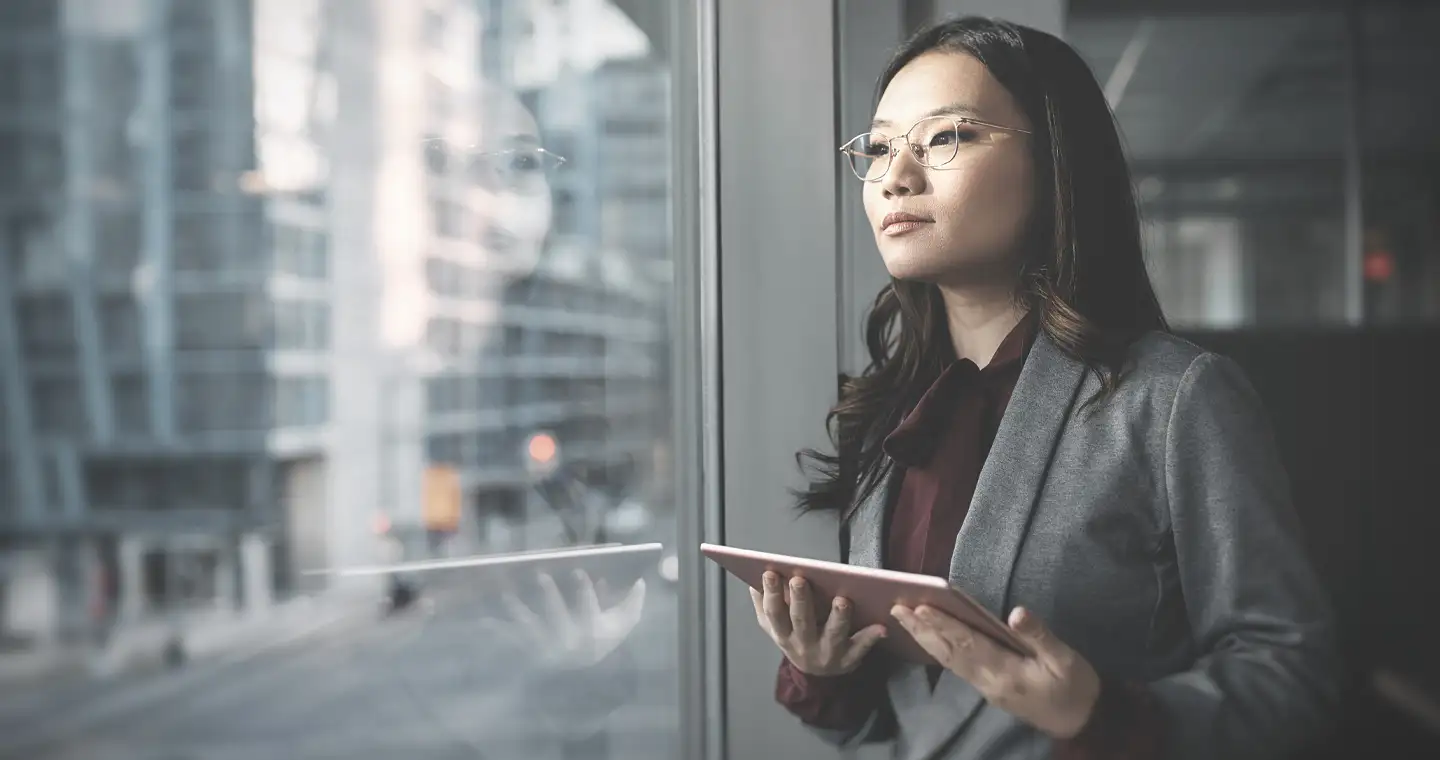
(1027, 429)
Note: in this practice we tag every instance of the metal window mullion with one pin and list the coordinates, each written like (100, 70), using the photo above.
(78, 231)
(156, 253)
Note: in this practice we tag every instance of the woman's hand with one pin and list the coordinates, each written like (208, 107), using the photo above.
(569, 637)
(830, 651)
(1054, 691)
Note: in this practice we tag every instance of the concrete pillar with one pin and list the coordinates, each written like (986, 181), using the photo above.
(32, 602)
(255, 573)
(131, 556)
(227, 574)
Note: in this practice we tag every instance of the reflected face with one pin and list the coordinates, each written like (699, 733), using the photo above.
(968, 209)
(510, 172)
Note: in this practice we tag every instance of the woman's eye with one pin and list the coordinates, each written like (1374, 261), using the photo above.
(524, 162)
(877, 150)
(951, 137)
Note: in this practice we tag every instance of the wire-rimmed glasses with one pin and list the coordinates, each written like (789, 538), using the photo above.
(934, 141)
(523, 168)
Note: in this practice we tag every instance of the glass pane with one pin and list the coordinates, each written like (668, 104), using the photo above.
(1240, 172)
(321, 355)
(1400, 129)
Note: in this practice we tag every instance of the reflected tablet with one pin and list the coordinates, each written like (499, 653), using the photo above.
(872, 592)
(618, 566)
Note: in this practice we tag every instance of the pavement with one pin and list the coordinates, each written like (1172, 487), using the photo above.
(205, 634)
(425, 685)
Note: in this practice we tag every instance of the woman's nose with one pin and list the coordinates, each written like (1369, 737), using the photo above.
(906, 175)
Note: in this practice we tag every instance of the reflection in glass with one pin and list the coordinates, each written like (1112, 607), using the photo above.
(292, 284)
(1240, 173)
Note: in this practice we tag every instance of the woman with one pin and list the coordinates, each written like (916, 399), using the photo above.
(1027, 429)
(569, 642)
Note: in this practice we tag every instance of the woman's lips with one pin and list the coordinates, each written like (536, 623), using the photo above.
(895, 229)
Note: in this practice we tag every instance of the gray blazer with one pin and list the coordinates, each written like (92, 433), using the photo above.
(1153, 532)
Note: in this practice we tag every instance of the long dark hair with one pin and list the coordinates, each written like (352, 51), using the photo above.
(1084, 277)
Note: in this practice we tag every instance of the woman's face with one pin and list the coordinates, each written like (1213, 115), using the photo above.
(974, 207)
(511, 180)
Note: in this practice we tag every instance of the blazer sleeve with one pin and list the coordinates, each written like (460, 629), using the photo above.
(1269, 679)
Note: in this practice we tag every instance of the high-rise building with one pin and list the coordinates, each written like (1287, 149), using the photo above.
(166, 298)
(245, 313)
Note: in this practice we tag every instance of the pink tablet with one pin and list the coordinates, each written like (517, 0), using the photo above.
(872, 592)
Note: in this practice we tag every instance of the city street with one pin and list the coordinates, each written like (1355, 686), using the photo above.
(422, 685)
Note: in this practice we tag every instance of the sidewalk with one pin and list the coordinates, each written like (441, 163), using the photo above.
(201, 635)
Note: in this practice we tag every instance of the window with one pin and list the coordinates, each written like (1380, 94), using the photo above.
(222, 403)
(191, 161)
(46, 327)
(301, 401)
(300, 251)
(117, 241)
(219, 321)
(132, 404)
(302, 325)
(58, 406)
(120, 326)
(335, 340)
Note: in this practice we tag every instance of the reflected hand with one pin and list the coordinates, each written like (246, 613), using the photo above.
(1055, 690)
(577, 637)
(830, 651)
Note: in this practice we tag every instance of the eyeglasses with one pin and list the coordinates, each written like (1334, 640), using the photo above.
(934, 141)
(516, 169)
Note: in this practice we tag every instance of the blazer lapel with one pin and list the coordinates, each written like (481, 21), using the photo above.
(867, 525)
(1014, 474)
(990, 538)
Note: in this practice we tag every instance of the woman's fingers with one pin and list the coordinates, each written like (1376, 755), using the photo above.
(522, 615)
(802, 611)
(837, 626)
(589, 600)
(861, 643)
(758, 599)
(774, 605)
(557, 613)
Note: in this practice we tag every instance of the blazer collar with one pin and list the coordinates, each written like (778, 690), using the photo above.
(1009, 484)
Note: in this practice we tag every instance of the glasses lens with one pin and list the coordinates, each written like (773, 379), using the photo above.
(869, 156)
(936, 140)
(523, 170)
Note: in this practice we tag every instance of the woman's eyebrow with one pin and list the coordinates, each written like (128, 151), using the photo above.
(954, 109)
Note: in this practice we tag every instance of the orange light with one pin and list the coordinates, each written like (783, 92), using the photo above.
(542, 448)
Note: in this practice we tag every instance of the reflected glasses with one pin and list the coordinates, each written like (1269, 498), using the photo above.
(934, 141)
(522, 169)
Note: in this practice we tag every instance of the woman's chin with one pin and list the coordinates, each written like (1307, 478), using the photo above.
(947, 270)
(916, 268)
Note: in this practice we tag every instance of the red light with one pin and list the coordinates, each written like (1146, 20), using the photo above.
(381, 524)
(1379, 265)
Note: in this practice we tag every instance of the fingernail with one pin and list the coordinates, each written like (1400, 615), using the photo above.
(769, 580)
(797, 584)
(840, 603)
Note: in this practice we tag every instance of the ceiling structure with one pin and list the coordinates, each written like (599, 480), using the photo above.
(1220, 102)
